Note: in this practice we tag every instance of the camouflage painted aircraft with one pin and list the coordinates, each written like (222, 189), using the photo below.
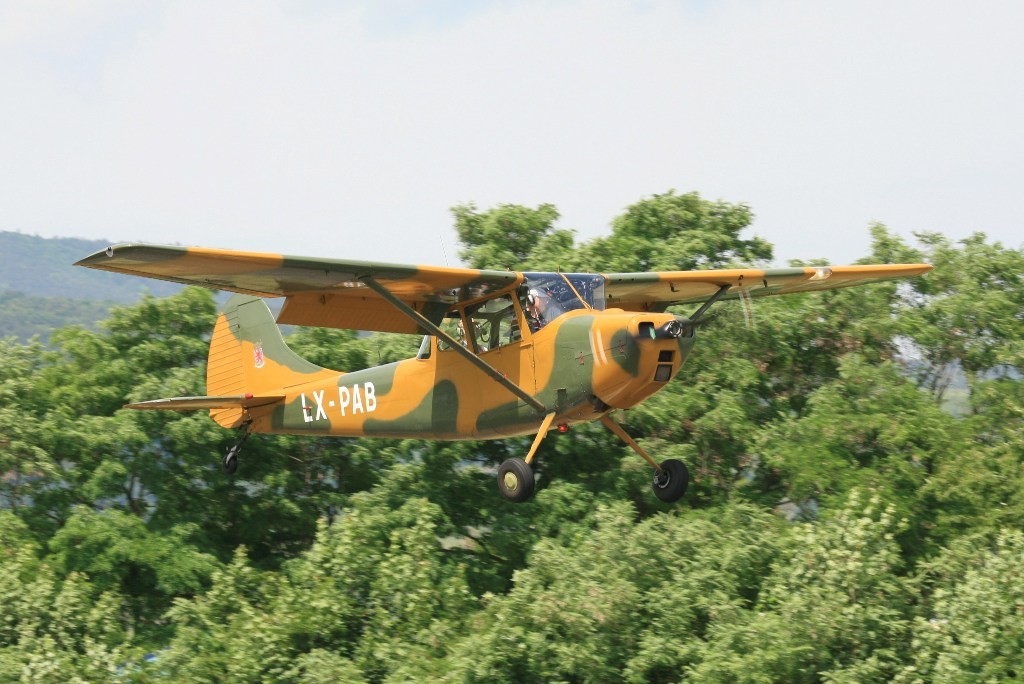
(504, 354)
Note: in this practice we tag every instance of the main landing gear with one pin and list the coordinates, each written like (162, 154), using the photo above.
(515, 480)
(671, 478)
(515, 476)
(230, 460)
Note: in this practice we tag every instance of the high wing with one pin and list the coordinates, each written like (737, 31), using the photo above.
(319, 292)
(655, 291)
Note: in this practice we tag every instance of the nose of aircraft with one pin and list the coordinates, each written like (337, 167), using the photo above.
(673, 328)
(650, 351)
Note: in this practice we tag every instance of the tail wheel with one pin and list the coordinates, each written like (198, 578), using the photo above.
(671, 480)
(230, 460)
(515, 480)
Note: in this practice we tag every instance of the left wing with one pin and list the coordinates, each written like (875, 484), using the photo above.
(656, 291)
(320, 292)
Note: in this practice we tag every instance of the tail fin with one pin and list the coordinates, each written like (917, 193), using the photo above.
(249, 357)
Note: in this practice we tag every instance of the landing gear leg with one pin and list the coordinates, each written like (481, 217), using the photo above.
(515, 476)
(230, 460)
(671, 478)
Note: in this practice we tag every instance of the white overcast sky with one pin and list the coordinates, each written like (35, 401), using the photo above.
(347, 129)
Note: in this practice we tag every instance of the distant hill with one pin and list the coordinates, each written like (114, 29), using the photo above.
(40, 289)
(25, 316)
(42, 267)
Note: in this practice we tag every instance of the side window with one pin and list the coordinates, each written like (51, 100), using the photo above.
(424, 352)
(452, 324)
(494, 323)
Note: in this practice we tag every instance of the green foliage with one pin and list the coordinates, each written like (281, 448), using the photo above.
(970, 315)
(330, 348)
(667, 232)
(116, 551)
(53, 628)
(868, 427)
(374, 593)
(835, 607)
(618, 599)
(840, 527)
(505, 237)
(970, 628)
(671, 232)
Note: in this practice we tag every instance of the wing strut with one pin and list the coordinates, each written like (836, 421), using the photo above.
(707, 305)
(427, 325)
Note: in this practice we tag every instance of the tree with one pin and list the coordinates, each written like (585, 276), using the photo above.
(868, 428)
(671, 232)
(970, 629)
(615, 599)
(375, 594)
(507, 236)
(968, 316)
(117, 552)
(834, 608)
(53, 629)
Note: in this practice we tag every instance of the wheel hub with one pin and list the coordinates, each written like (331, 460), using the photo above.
(662, 478)
(511, 482)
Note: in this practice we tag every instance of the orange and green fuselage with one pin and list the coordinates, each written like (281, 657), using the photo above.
(580, 365)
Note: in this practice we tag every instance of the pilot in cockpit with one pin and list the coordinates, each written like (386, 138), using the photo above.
(537, 305)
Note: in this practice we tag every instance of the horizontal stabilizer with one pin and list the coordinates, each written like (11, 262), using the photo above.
(199, 403)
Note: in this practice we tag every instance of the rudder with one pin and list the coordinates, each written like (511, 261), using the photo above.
(248, 355)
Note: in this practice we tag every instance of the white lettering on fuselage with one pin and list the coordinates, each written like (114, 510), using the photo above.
(318, 397)
(358, 398)
(355, 400)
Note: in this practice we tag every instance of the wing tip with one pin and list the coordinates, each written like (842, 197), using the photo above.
(96, 259)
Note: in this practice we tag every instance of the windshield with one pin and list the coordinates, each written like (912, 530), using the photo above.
(549, 295)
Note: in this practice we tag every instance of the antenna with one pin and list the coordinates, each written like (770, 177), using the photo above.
(440, 236)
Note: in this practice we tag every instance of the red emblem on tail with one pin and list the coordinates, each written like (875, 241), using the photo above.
(257, 353)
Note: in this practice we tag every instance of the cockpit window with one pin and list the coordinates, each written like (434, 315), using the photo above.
(549, 295)
(494, 323)
(452, 324)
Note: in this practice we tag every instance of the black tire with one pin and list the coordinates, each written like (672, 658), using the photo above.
(230, 461)
(671, 481)
(515, 480)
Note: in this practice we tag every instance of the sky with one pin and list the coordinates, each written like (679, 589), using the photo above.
(349, 129)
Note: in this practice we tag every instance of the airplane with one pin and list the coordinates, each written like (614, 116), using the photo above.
(504, 353)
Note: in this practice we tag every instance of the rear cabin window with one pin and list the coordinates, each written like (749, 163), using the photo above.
(453, 326)
(494, 323)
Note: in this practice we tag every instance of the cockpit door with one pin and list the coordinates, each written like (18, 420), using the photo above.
(501, 337)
